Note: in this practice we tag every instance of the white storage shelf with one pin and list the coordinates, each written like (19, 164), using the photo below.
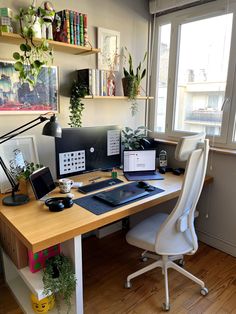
(22, 283)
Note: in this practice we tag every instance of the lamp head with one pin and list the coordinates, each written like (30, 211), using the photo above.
(52, 128)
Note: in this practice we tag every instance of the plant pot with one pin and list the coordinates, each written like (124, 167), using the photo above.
(130, 86)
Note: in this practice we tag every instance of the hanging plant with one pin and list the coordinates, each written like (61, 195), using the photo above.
(33, 56)
(132, 80)
(59, 279)
(76, 108)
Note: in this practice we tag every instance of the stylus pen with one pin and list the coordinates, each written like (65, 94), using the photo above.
(95, 179)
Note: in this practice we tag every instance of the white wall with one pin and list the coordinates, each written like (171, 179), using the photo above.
(130, 18)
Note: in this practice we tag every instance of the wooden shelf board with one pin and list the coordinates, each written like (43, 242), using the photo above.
(117, 97)
(12, 38)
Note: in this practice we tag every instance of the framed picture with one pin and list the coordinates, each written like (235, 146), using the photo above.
(18, 98)
(109, 43)
(16, 153)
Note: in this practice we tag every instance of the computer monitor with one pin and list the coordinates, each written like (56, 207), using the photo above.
(86, 149)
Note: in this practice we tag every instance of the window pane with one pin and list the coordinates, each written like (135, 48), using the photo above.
(162, 77)
(202, 74)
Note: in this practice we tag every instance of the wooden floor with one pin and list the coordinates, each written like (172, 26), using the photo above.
(108, 261)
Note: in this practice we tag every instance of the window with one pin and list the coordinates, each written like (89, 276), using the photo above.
(195, 72)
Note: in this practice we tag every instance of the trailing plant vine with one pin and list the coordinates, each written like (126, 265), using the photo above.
(76, 108)
(33, 56)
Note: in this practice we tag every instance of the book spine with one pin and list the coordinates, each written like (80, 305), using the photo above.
(67, 14)
(71, 27)
(81, 22)
(77, 29)
(93, 82)
(104, 84)
(97, 82)
(74, 27)
(85, 20)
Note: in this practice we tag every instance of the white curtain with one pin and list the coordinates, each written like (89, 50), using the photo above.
(157, 6)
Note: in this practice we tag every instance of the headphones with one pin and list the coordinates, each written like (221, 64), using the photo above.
(57, 204)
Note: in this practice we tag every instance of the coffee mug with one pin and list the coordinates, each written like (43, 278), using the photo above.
(65, 185)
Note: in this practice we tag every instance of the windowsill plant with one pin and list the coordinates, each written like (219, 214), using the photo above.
(134, 139)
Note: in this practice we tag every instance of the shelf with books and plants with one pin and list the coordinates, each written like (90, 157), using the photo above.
(97, 85)
(13, 38)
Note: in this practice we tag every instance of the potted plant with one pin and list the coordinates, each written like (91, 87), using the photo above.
(59, 280)
(22, 175)
(76, 108)
(134, 139)
(32, 56)
(131, 80)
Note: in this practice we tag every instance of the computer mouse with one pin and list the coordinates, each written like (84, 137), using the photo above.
(143, 185)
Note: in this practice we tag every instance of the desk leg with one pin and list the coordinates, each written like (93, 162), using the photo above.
(79, 274)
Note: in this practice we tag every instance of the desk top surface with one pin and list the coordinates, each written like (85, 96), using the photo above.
(38, 228)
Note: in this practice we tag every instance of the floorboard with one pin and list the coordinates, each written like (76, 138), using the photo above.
(108, 261)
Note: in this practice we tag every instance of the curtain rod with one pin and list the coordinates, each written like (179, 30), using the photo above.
(183, 7)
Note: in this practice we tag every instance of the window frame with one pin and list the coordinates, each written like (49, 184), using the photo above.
(229, 109)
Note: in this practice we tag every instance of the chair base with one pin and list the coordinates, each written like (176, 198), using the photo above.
(166, 262)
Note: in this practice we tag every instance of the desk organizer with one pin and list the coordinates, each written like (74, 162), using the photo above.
(37, 260)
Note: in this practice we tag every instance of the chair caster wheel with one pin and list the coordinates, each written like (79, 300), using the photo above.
(204, 291)
(128, 285)
(181, 262)
(166, 307)
(143, 259)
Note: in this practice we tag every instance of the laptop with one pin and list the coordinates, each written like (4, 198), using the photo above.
(140, 165)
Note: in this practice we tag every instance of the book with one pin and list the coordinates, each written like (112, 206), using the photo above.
(81, 24)
(86, 42)
(77, 29)
(71, 21)
(85, 79)
(67, 13)
(60, 29)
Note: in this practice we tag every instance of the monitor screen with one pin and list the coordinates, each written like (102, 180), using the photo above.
(139, 160)
(42, 182)
(87, 149)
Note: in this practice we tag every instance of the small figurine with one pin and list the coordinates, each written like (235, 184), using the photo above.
(47, 15)
(44, 305)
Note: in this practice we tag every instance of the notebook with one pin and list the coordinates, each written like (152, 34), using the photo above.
(140, 165)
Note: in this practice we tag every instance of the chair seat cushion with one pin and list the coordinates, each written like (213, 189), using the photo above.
(143, 235)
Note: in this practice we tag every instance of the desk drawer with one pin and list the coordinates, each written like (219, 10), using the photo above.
(13, 247)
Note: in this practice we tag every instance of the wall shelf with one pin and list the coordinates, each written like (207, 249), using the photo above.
(117, 97)
(12, 38)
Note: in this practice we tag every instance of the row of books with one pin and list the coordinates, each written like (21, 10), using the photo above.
(97, 82)
(71, 27)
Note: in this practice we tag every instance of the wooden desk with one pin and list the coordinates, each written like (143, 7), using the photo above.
(38, 228)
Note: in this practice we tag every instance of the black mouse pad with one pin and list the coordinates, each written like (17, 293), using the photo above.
(98, 207)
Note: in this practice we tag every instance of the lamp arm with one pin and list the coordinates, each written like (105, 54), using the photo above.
(6, 137)
(14, 184)
(10, 134)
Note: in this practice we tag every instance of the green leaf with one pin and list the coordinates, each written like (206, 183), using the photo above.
(23, 47)
(18, 66)
(16, 55)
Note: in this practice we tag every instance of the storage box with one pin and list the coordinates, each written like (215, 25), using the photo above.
(37, 260)
(6, 12)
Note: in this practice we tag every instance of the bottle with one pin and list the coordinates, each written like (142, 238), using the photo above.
(163, 158)
(114, 173)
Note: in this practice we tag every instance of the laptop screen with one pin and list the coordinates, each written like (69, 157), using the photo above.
(139, 160)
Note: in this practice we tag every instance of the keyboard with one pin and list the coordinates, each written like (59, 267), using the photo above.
(98, 185)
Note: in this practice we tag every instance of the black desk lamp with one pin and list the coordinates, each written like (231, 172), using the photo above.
(51, 128)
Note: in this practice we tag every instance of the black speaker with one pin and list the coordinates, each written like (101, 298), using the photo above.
(57, 204)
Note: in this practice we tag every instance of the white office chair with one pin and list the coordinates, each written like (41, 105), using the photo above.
(171, 236)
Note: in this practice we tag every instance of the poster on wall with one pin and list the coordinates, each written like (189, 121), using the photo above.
(17, 97)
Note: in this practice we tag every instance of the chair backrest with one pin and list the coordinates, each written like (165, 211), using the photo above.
(177, 234)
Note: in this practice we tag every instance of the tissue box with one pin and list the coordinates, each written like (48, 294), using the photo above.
(37, 260)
